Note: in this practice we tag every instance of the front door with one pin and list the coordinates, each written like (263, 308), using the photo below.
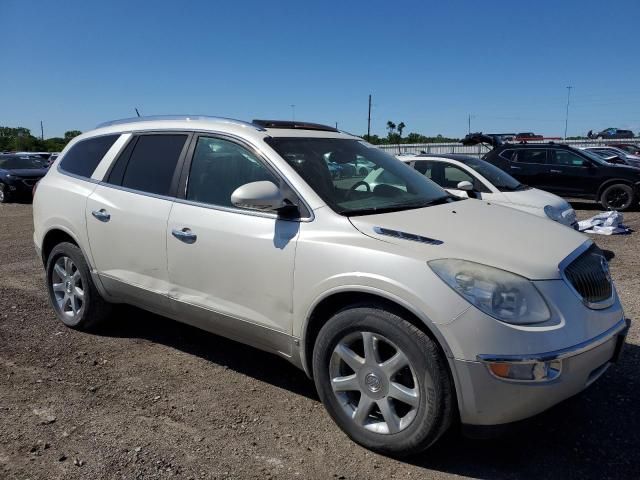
(231, 269)
(572, 174)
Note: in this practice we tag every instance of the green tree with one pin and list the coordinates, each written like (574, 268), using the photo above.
(71, 134)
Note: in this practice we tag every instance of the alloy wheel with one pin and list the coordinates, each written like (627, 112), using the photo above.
(374, 382)
(68, 288)
(617, 198)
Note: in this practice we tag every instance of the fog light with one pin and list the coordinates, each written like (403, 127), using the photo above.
(526, 371)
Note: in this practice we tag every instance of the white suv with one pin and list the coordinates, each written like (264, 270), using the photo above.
(409, 308)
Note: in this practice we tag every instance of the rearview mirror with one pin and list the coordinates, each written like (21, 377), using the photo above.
(465, 185)
(263, 195)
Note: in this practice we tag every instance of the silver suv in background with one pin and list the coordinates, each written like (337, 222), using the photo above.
(410, 309)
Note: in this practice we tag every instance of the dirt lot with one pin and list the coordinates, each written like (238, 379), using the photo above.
(150, 398)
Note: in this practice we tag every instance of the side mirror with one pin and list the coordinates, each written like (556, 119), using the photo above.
(263, 195)
(465, 185)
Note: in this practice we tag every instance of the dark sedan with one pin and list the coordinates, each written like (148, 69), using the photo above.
(18, 175)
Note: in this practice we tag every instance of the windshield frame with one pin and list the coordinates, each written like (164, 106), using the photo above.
(309, 156)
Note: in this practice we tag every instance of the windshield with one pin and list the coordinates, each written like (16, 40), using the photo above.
(14, 163)
(499, 178)
(340, 171)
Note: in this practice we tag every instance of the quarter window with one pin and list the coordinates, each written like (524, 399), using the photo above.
(530, 155)
(83, 158)
(153, 163)
(219, 167)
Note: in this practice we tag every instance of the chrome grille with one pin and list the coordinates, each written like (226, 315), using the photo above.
(589, 276)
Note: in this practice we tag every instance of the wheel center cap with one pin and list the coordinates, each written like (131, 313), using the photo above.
(68, 286)
(373, 383)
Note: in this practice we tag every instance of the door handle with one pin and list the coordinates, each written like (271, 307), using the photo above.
(184, 235)
(555, 171)
(101, 215)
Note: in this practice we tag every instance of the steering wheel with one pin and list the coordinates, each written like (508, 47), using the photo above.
(355, 186)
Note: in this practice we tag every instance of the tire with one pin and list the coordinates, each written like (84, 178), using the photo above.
(618, 196)
(363, 172)
(407, 426)
(4, 195)
(72, 293)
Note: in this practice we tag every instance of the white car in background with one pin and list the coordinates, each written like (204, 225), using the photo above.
(469, 177)
(610, 153)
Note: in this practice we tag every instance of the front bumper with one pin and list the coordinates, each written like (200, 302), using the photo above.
(489, 400)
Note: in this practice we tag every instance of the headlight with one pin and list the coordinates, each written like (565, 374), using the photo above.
(503, 295)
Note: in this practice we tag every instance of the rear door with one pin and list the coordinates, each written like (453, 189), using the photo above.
(529, 166)
(127, 218)
(231, 268)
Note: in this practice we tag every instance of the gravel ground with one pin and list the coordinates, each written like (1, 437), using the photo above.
(150, 398)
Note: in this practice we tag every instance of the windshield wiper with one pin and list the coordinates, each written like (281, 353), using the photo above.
(398, 208)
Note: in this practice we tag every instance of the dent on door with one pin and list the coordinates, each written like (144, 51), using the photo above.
(236, 278)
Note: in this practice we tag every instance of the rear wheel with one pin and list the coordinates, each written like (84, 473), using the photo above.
(382, 380)
(72, 293)
(618, 197)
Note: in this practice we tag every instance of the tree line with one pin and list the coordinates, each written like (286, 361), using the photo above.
(20, 139)
(394, 136)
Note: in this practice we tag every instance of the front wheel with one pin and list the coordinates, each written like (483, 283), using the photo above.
(382, 380)
(618, 197)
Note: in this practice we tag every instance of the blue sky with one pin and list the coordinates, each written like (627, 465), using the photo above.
(74, 64)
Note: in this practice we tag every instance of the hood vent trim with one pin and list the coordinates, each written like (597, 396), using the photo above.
(406, 236)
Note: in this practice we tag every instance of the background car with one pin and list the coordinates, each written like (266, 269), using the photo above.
(470, 177)
(528, 136)
(611, 153)
(614, 133)
(632, 148)
(18, 175)
(569, 172)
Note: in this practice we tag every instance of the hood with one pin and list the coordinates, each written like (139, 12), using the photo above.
(28, 172)
(481, 232)
(535, 198)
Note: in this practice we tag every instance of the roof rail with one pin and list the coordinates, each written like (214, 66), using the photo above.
(294, 125)
(230, 121)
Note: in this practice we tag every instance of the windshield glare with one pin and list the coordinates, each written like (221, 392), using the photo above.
(14, 163)
(356, 178)
(499, 178)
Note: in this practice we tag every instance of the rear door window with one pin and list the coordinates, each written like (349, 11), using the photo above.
(152, 164)
(83, 158)
(530, 155)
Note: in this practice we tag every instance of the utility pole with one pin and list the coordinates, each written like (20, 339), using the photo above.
(566, 118)
(293, 112)
(369, 121)
(336, 125)
(469, 124)
(41, 131)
